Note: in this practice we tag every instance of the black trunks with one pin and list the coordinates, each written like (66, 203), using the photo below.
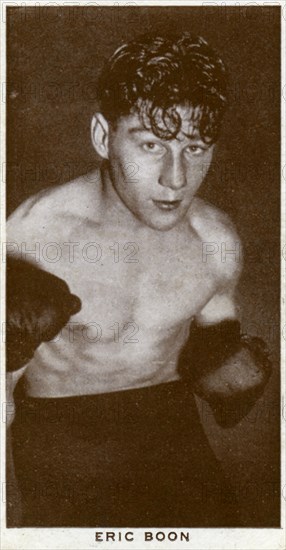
(134, 458)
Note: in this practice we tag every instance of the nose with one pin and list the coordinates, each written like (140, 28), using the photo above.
(172, 173)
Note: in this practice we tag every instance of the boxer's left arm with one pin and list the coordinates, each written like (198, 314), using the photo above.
(228, 360)
(223, 365)
(226, 368)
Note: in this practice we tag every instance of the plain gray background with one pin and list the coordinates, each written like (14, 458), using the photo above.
(54, 55)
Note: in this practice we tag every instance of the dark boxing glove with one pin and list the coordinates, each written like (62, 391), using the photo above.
(39, 305)
(226, 368)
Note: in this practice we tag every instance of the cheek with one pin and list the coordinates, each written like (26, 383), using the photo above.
(140, 174)
(131, 172)
(201, 168)
(128, 166)
(195, 173)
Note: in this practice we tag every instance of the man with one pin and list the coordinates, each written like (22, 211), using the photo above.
(106, 430)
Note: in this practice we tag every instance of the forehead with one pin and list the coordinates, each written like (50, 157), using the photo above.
(133, 125)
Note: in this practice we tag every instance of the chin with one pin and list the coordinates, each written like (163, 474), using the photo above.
(163, 226)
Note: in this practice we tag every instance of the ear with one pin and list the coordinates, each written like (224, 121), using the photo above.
(99, 135)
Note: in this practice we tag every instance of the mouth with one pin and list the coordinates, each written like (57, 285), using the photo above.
(167, 205)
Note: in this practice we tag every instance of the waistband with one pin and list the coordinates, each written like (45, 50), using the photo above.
(169, 401)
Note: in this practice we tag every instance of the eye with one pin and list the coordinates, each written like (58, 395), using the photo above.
(152, 147)
(195, 150)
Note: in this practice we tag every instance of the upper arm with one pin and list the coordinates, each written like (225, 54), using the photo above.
(48, 217)
(33, 225)
(23, 228)
(225, 263)
(220, 307)
(223, 304)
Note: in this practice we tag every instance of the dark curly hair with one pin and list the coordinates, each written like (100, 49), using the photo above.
(153, 75)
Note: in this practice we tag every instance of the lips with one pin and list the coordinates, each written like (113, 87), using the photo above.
(167, 205)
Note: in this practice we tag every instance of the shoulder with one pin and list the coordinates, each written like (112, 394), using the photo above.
(210, 222)
(219, 241)
(56, 210)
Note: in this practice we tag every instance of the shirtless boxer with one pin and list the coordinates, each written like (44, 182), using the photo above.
(125, 446)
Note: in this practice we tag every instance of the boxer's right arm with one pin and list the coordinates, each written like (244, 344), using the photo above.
(39, 305)
(23, 228)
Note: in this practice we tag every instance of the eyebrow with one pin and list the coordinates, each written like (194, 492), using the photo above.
(142, 130)
(139, 129)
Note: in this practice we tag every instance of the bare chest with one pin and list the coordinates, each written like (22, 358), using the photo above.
(145, 284)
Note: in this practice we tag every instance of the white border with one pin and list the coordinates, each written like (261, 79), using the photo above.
(212, 539)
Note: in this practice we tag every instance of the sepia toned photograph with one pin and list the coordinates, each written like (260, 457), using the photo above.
(142, 266)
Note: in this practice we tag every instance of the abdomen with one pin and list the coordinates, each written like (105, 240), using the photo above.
(80, 365)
